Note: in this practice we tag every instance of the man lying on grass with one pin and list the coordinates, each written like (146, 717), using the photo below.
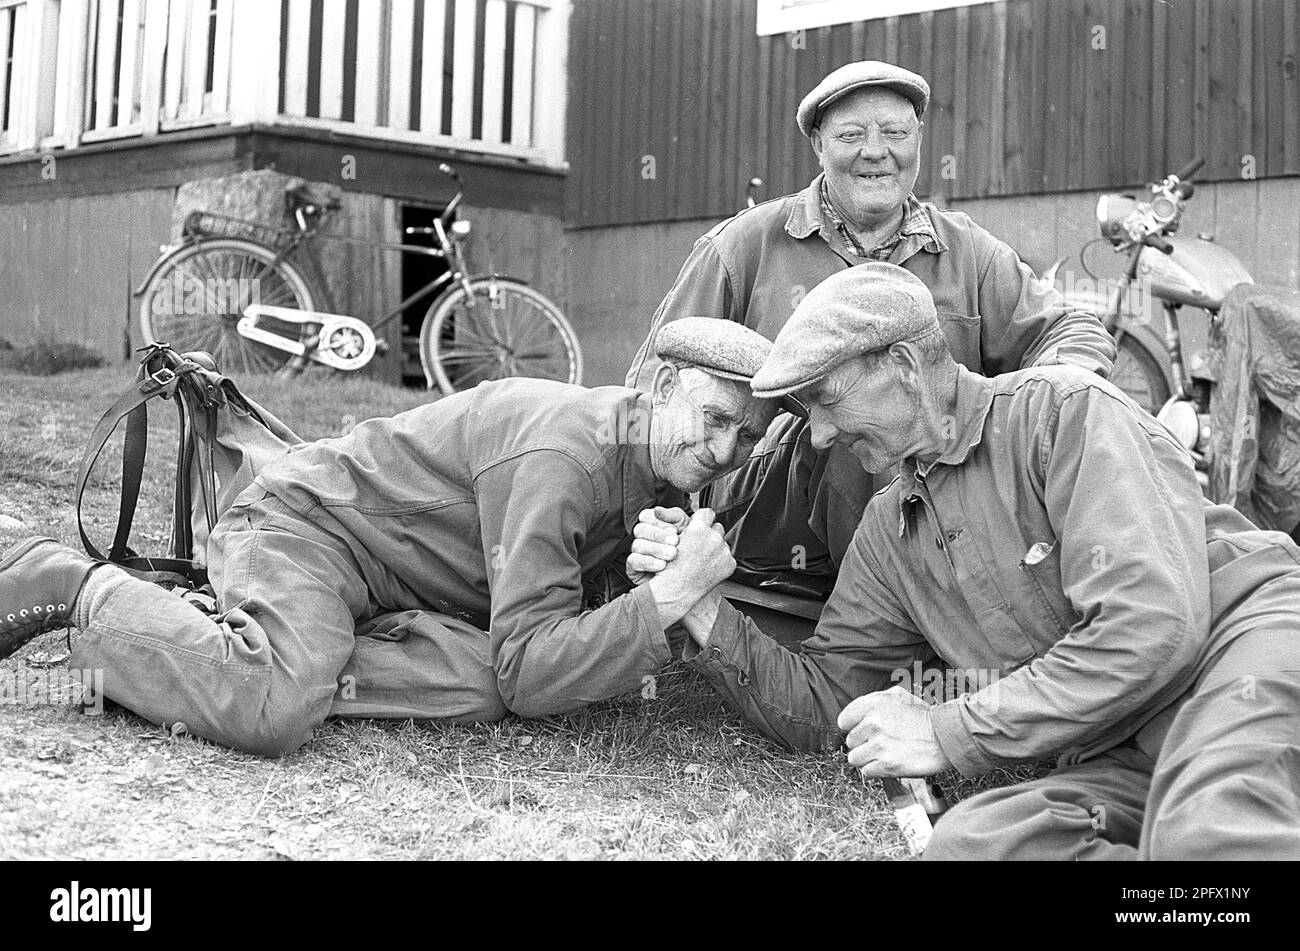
(1045, 530)
(435, 564)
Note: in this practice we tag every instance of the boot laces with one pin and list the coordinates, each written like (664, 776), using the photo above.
(48, 617)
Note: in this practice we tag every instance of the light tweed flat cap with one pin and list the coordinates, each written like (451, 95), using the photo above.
(854, 76)
(862, 308)
(721, 347)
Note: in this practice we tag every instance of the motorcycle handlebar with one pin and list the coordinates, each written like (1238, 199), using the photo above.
(1190, 169)
(1159, 243)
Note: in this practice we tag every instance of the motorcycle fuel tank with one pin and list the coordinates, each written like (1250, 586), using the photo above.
(1196, 272)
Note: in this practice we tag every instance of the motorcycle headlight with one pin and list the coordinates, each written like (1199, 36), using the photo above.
(1112, 212)
(1179, 417)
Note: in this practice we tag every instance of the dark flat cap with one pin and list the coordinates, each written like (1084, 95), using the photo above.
(854, 76)
(862, 308)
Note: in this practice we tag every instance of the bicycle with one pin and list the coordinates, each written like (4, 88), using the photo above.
(231, 288)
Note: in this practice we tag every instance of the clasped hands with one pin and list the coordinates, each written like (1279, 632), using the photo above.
(889, 732)
(683, 559)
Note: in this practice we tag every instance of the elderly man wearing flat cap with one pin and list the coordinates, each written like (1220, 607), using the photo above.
(1047, 543)
(864, 123)
(448, 562)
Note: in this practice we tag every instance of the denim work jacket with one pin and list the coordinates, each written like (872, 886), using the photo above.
(1058, 557)
(496, 506)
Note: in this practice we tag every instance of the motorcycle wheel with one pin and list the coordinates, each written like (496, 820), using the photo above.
(1137, 372)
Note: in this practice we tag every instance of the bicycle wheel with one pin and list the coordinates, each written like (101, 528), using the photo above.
(502, 328)
(197, 297)
(1138, 374)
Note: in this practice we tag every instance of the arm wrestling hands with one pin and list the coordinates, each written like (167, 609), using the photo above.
(683, 560)
(888, 731)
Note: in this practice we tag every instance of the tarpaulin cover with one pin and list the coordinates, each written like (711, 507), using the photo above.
(1255, 408)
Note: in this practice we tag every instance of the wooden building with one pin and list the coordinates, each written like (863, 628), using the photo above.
(108, 107)
(600, 138)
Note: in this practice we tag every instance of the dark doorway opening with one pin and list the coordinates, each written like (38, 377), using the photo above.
(418, 270)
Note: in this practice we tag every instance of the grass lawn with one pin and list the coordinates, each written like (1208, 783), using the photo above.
(676, 776)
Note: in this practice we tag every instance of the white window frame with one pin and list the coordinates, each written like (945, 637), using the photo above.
(790, 16)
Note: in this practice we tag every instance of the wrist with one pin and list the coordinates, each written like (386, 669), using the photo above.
(699, 620)
(670, 599)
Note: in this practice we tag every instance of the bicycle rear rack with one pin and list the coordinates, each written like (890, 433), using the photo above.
(211, 224)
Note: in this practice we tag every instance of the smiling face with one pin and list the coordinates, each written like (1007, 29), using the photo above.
(869, 146)
(863, 406)
(703, 426)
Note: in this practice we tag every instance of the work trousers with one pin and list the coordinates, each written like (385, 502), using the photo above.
(1215, 776)
(294, 642)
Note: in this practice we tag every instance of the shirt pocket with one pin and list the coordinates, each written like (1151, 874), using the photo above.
(1042, 595)
(963, 334)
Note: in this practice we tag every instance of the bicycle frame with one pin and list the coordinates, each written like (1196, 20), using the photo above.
(306, 333)
(449, 249)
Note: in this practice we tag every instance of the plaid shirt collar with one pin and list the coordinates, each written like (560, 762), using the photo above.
(815, 213)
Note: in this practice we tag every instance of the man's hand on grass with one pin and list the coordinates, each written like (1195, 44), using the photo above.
(889, 734)
(654, 542)
(702, 562)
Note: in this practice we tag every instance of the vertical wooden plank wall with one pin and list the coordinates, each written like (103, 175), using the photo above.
(1029, 96)
(104, 243)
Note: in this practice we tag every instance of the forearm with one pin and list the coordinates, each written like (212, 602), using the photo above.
(556, 665)
(1028, 323)
(1046, 708)
(784, 694)
(1077, 338)
(702, 616)
(674, 604)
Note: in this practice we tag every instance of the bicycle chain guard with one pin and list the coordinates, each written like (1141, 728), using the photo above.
(342, 342)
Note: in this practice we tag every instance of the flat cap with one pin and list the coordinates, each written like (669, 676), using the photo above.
(853, 76)
(721, 347)
(862, 308)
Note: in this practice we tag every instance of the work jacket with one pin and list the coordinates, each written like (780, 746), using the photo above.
(755, 267)
(501, 505)
(1058, 557)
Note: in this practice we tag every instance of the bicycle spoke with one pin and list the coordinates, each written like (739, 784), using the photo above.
(488, 316)
(282, 293)
(466, 353)
(484, 373)
(529, 330)
(466, 326)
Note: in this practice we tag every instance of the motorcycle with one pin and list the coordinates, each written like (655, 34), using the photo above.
(1176, 271)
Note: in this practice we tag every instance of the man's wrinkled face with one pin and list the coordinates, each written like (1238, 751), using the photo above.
(703, 426)
(869, 146)
(869, 413)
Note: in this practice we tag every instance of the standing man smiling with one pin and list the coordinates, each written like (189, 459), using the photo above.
(864, 122)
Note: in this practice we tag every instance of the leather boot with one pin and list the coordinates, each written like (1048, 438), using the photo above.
(39, 583)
